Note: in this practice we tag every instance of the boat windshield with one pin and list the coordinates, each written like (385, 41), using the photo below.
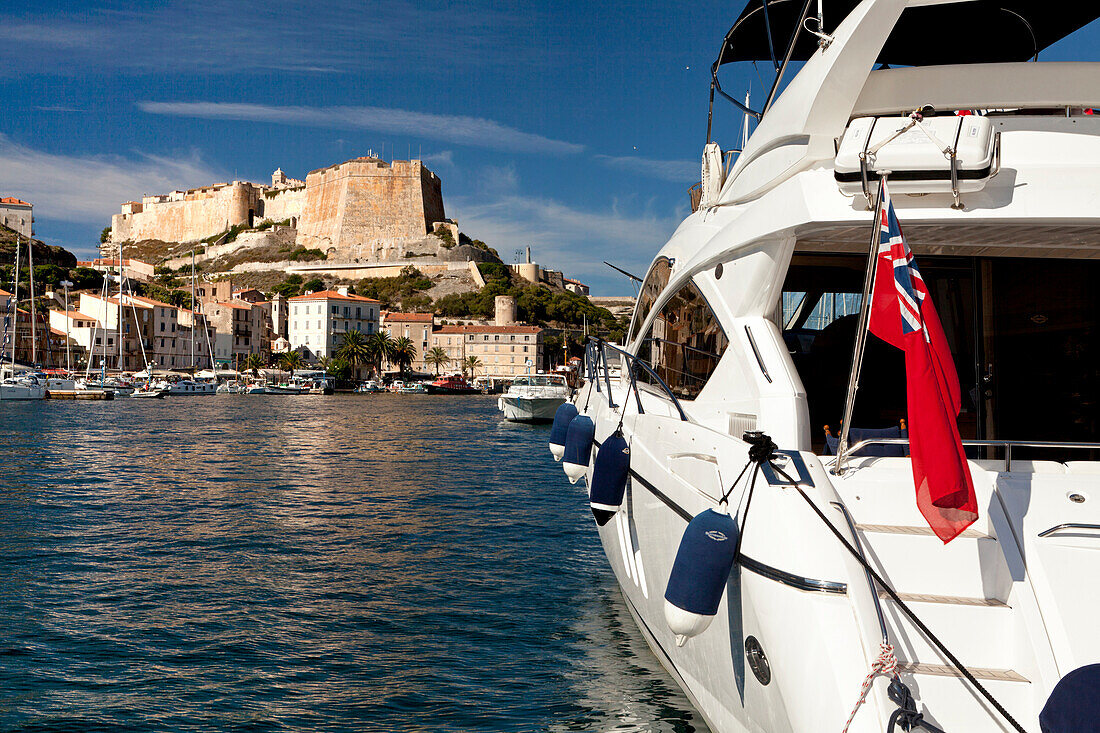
(539, 380)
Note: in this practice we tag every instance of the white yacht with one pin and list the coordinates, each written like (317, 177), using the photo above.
(191, 387)
(22, 387)
(534, 397)
(749, 319)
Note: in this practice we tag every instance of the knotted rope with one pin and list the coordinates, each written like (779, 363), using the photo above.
(885, 665)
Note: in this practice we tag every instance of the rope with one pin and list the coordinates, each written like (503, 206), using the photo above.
(885, 665)
(904, 608)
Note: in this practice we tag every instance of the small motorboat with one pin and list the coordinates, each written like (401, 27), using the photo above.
(534, 397)
(369, 387)
(413, 388)
(454, 384)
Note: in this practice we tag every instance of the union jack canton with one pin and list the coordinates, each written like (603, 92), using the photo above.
(907, 277)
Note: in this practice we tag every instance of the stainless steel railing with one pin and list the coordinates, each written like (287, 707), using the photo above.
(596, 351)
(1007, 445)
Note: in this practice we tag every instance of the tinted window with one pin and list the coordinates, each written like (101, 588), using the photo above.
(684, 343)
(654, 284)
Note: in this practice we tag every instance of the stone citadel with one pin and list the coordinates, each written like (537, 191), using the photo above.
(363, 209)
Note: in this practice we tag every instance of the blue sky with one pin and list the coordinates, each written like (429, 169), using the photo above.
(571, 127)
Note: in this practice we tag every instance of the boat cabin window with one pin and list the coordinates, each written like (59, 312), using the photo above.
(1023, 333)
(653, 286)
(684, 343)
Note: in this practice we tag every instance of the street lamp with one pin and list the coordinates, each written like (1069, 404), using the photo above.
(68, 354)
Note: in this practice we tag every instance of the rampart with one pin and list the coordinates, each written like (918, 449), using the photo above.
(187, 216)
(366, 208)
(362, 209)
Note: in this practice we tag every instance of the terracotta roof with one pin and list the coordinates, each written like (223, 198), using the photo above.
(13, 200)
(75, 314)
(333, 295)
(488, 329)
(411, 317)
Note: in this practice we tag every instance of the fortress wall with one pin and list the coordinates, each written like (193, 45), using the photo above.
(281, 205)
(200, 213)
(366, 208)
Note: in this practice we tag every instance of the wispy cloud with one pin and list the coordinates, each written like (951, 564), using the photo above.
(684, 171)
(87, 188)
(443, 158)
(236, 36)
(457, 129)
(569, 238)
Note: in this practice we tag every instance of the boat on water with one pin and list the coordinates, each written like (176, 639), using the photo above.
(191, 387)
(413, 388)
(454, 384)
(322, 386)
(291, 387)
(256, 388)
(369, 387)
(751, 327)
(22, 387)
(534, 397)
(150, 391)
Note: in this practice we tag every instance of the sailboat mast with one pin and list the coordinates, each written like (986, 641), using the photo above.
(192, 312)
(15, 315)
(120, 309)
(34, 331)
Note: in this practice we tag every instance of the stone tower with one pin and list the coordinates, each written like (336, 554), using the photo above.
(505, 310)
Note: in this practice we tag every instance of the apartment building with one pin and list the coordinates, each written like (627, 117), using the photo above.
(504, 352)
(417, 327)
(318, 321)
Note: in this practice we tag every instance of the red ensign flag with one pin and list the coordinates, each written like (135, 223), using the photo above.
(902, 315)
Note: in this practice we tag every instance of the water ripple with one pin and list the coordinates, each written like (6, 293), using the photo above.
(278, 563)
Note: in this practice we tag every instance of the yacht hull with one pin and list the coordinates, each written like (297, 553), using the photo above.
(530, 409)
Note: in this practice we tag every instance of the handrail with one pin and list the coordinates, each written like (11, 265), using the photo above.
(870, 580)
(1069, 525)
(635, 362)
(1008, 445)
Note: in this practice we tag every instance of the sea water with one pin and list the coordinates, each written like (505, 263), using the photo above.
(349, 562)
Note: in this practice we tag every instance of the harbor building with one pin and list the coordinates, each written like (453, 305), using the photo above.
(417, 327)
(241, 329)
(164, 331)
(17, 215)
(504, 352)
(318, 321)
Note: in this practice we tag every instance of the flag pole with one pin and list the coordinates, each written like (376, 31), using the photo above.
(861, 330)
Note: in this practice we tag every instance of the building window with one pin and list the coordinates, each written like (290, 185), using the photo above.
(358, 312)
(335, 310)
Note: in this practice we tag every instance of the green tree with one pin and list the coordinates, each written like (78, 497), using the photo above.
(313, 285)
(437, 357)
(254, 363)
(105, 235)
(470, 366)
(355, 350)
(381, 348)
(290, 361)
(403, 353)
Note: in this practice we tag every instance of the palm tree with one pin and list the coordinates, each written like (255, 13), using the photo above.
(323, 363)
(254, 362)
(471, 365)
(381, 347)
(355, 349)
(402, 353)
(290, 361)
(437, 357)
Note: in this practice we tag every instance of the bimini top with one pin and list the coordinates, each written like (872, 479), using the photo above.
(979, 31)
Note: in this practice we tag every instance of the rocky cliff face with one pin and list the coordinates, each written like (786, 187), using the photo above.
(44, 254)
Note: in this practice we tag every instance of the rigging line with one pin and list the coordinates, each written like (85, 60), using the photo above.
(901, 604)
